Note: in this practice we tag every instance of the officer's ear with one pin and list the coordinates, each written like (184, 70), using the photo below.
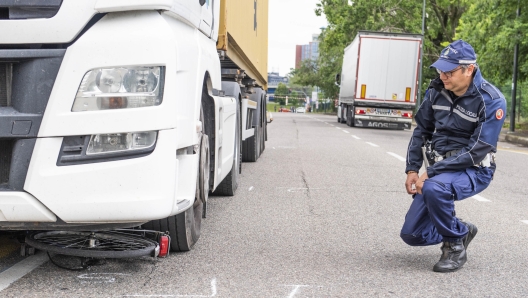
(471, 70)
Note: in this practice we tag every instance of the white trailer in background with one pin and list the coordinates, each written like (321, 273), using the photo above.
(379, 80)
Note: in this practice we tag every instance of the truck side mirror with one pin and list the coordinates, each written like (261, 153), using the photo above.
(202, 2)
(338, 79)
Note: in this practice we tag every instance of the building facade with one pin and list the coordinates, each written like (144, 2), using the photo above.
(273, 82)
(307, 51)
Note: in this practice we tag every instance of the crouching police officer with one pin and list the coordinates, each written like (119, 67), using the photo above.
(461, 116)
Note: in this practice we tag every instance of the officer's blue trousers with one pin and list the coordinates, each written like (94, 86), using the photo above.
(431, 218)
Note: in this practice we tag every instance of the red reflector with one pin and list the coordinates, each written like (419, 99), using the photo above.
(359, 112)
(164, 246)
(407, 115)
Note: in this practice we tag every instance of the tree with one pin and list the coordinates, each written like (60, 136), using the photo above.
(493, 29)
(280, 94)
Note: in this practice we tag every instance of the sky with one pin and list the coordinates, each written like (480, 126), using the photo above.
(291, 23)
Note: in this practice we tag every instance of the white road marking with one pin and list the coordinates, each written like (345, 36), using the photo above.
(331, 125)
(213, 293)
(372, 144)
(338, 127)
(356, 137)
(480, 198)
(326, 123)
(396, 155)
(525, 221)
(251, 188)
(346, 131)
(507, 149)
(22, 268)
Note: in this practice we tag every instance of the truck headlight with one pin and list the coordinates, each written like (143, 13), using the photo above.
(120, 142)
(120, 88)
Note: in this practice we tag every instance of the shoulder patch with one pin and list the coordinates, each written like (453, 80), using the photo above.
(491, 90)
(499, 114)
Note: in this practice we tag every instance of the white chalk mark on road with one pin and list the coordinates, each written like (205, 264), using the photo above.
(295, 290)
(372, 144)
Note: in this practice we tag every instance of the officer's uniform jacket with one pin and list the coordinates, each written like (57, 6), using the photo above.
(470, 123)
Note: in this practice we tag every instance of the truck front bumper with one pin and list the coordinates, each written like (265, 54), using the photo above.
(115, 192)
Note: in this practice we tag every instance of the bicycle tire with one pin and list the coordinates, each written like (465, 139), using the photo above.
(92, 244)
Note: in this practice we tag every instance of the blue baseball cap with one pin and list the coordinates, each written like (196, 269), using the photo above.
(458, 52)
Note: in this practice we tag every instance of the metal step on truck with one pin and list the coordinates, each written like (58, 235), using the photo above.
(379, 80)
(126, 114)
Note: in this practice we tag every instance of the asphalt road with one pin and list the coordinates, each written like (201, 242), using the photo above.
(319, 215)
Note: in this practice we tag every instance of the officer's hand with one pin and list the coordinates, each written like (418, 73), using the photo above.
(420, 182)
(411, 180)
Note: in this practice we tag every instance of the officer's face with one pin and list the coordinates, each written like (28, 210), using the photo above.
(458, 80)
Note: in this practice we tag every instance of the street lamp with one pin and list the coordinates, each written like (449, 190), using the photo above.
(419, 99)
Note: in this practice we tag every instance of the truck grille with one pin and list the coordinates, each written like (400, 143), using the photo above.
(6, 149)
(28, 9)
(5, 84)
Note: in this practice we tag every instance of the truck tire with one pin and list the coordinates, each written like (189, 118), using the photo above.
(343, 111)
(229, 185)
(250, 147)
(350, 116)
(184, 228)
(263, 126)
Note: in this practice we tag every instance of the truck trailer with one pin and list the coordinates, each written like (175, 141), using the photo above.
(379, 80)
(127, 113)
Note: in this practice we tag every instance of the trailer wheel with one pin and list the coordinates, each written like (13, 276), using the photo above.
(343, 110)
(350, 116)
(263, 125)
(229, 185)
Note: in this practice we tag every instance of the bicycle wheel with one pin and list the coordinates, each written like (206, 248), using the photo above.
(92, 244)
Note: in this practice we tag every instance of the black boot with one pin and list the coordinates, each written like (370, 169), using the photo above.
(453, 257)
(472, 231)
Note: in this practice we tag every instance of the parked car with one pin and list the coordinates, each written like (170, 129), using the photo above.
(284, 110)
(300, 110)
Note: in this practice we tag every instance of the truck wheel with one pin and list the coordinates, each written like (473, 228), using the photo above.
(229, 185)
(343, 110)
(263, 126)
(202, 186)
(184, 228)
(350, 116)
(250, 147)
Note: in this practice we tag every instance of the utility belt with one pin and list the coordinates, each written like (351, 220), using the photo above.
(486, 162)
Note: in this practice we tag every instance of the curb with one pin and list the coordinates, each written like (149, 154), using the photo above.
(516, 139)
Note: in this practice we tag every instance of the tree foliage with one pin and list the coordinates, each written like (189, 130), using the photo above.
(493, 29)
(280, 93)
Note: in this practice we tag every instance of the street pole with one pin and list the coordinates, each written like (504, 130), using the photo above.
(514, 81)
(419, 99)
